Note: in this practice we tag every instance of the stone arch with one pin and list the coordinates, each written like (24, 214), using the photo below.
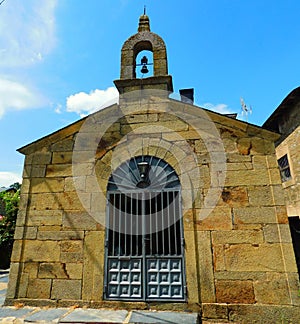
(145, 40)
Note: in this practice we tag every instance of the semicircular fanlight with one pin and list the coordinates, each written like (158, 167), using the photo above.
(143, 172)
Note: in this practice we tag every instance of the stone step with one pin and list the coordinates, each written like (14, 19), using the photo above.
(67, 316)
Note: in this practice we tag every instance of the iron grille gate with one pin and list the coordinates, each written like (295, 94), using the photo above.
(144, 246)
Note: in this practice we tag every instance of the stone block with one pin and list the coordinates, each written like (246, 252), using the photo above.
(39, 288)
(78, 221)
(38, 171)
(41, 251)
(59, 170)
(65, 145)
(53, 271)
(75, 184)
(235, 292)
(236, 166)
(258, 313)
(31, 268)
(261, 196)
(219, 258)
(241, 275)
(27, 233)
(39, 158)
(92, 285)
(260, 162)
(275, 291)
(214, 311)
(277, 233)
(247, 257)
(255, 215)
(192, 275)
(205, 263)
(71, 251)
(59, 201)
(244, 145)
(60, 235)
(217, 218)
(237, 237)
(39, 185)
(258, 177)
(62, 157)
(235, 196)
(66, 289)
(282, 217)
(74, 270)
(44, 217)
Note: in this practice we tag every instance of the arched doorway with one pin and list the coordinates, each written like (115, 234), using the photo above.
(144, 256)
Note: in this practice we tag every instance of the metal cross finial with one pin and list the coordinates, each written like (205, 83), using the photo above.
(144, 10)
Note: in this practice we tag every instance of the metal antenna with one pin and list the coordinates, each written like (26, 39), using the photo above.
(245, 109)
(1, 2)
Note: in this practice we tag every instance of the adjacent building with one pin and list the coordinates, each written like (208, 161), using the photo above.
(286, 121)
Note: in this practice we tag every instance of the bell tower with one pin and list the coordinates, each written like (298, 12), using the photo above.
(144, 40)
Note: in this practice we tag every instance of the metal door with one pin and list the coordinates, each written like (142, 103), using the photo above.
(144, 258)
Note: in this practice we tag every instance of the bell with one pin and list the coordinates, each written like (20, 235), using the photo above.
(144, 69)
(144, 60)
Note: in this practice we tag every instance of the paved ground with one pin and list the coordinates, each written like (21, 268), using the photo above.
(65, 315)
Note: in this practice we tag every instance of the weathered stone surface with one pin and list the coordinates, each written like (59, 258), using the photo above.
(52, 271)
(39, 288)
(59, 170)
(254, 215)
(214, 311)
(78, 221)
(63, 145)
(237, 237)
(41, 251)
(74, 270)
(62, 157)
(71, 251)
(275, 233)
(206, 275)
(92, 285)
(235, 196)
(247, 257)
(273, 291)
(66, 289)
(39, 185)
(261, 196)
(28, 233)
(244, 145)
(44, 217)
(235, 291)
(60, 235)
(258, 313)
(259, 177)
(219, 218)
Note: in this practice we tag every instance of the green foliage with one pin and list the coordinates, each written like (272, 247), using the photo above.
(9, 202)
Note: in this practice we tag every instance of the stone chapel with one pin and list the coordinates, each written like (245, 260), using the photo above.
(155, 203)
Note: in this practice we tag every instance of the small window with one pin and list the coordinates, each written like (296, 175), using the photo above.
(284, 168)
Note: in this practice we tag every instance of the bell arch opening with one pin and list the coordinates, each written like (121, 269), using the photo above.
(144, 254)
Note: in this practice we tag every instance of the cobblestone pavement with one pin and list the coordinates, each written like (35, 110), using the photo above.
(28, 315)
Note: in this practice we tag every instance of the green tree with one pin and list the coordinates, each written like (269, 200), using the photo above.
(9, 206)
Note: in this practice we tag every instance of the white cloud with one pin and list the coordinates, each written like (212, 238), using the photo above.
(27, 31)
(8, 178)
(16, 96)
(85, 103)
(219, 108)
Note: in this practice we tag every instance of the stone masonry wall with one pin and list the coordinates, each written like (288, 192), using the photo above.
(290, 146)
(240, 253)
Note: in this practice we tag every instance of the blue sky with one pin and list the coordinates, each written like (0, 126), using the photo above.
(58, 59)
